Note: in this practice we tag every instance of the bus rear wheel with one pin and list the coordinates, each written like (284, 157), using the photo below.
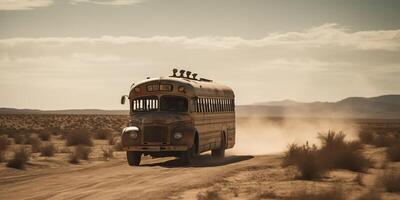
(220, 153)
(133, 158)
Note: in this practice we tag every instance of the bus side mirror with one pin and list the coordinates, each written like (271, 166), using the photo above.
(123, 98)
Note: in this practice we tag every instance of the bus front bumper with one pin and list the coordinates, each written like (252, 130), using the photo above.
(154, 148)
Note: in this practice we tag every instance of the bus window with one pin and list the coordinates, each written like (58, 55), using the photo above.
(149, 103)
(173, 103)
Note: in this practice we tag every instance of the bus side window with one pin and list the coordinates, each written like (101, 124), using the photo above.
(233, 105)
(224, 104)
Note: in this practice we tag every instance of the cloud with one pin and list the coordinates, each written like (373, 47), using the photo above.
(326, 35)
(23, 4)
(108, 2)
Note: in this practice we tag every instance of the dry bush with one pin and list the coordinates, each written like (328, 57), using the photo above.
(108, 153)
(390, 181)
(74, 158)
(393, 152)
(292, 154)
(370, 195)
(21, 156)
(118, 145)
(111, 140)
(102, 134)
(209, 195)
(79, 137)
(19, 138)
(366, 137)
(4, 142)
(35, 143)
(340, 154)
(359, 179)
(383, 140)
(48, 150)
(334, 193)
(308, 163)
(44, 135)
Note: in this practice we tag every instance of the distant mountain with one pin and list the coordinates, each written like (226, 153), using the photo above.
(66, 112)
(381, 107)
(384, 107)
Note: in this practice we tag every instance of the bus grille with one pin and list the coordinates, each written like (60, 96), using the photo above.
(155, 134)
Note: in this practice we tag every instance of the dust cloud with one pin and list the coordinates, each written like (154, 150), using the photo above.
(258, 136)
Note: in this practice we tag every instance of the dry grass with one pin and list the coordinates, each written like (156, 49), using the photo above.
(4, 142)
(390, 181)
(393, 152)
(79, 137)
(366, 137)
(336, 153)
(108, 153)
(44, 135)
(35, 142)
(80, 152)
(48, 150)
(334, 193)
(19, 138)
(370, 195)
(209, 195)
(308, 163)
(103, 134)
(21, 156)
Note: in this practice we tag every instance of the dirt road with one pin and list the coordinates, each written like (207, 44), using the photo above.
(159, 178)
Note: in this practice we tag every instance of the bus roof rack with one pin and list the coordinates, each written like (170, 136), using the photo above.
(188, 73)
(205, 80)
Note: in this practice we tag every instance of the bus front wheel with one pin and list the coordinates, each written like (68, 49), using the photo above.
(189, 156)
(133, 158)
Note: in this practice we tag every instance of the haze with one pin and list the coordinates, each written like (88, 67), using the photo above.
(87, 53)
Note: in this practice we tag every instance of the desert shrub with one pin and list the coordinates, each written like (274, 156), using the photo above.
(83, 152)
(19, 138)
(44, 135)
(383, 140)
(359, 179)
(4, 142)
(74, 158)
(393, 152)
(102, 134)
(80, 152)
(35, 143)
(366, 137)
(118, 145)
(370, 195)
(390, 181)
(337, 153)
(111, 140)
(334, 193)
(108, 153)
(209, 195)
(308, 163)
(21, 156)
(291, 155)
(48, 150)
(79, 137)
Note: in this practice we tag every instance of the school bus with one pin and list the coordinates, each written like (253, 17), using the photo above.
(179, 115)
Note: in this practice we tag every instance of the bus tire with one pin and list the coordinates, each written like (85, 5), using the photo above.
(133, 158)
(188, 157)
(220, 152)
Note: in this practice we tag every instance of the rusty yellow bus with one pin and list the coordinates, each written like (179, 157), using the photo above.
(179, 115)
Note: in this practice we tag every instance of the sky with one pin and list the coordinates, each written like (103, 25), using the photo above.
(80, 54)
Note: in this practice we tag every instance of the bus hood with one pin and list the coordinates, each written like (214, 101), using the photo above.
(159, 118)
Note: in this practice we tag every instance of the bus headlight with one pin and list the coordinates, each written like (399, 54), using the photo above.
(134, 135)
(178, 135)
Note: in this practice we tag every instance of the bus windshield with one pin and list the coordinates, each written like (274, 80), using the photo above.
(173, 103)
